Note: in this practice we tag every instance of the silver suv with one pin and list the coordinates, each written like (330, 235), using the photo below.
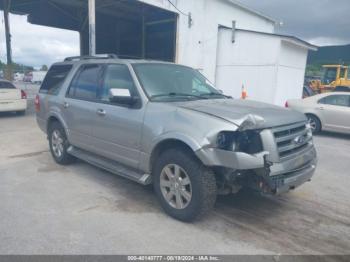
(165, 124)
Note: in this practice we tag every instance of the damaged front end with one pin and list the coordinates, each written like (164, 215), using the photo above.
(251, 157)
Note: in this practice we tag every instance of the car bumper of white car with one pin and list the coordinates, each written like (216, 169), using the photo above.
(13, 105)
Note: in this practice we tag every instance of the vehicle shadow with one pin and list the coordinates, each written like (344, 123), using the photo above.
(9, 115)
(250, 202)
(279, 221)
(119, 194)
(129, 196)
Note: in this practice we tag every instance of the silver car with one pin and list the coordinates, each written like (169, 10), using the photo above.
(162, 123)
(328, 111)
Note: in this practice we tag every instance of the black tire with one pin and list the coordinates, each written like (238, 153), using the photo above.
(203, 184)
(65, 158)
(315, 122)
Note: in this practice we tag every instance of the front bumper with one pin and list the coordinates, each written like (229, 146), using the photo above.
(283, 183)
(267, 177)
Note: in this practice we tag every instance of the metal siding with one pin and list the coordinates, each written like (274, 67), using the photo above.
(250, 61)
(197, 45)
(271, 69)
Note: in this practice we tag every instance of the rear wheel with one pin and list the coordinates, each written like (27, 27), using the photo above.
(59, 144)
(315, 123)
(185, 188)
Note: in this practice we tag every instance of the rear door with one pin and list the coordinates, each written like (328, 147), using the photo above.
(335, 111)
(79, 105)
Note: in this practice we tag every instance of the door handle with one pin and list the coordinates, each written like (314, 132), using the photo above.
(65, 105)
(320, 108)
(101, 112)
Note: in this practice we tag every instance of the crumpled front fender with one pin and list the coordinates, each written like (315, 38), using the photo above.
(230, 159)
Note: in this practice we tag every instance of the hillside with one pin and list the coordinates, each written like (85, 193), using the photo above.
(330, 55)
(327, 55)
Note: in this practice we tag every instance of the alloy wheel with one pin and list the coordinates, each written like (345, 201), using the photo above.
(176, 186)
(57, 143)
(312, 123)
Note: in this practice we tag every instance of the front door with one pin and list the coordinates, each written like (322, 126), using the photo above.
(117, 128)
(335, 111)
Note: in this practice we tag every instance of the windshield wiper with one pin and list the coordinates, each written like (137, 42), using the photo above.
(173, 94)
(215, 94)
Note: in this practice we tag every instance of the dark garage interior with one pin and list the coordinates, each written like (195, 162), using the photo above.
(128, 28)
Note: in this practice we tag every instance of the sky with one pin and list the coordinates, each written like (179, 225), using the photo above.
(37, 45)
(320, 22)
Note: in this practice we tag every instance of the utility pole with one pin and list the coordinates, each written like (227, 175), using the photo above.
(92, 27)
(8, 74)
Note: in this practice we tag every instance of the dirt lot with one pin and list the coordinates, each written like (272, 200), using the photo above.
(49, 209)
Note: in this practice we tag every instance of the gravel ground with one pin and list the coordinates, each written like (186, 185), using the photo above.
(80, 209)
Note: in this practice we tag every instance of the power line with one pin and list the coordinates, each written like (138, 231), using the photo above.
(178, 9)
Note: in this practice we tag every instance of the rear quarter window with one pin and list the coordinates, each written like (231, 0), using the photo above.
(54, 79)
(6, 85)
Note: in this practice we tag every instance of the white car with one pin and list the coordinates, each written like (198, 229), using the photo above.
(328, 111)
(11, 98)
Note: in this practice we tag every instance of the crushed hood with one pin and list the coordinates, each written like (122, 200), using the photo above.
(238, 111)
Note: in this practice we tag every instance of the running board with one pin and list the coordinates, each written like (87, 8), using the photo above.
(110, 166)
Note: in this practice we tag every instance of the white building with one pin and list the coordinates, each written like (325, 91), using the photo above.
(270, 66)
(231, 44)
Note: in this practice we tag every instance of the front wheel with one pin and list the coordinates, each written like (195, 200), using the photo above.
(315, 123)
(185, 188)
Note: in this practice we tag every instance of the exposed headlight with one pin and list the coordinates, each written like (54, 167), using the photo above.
(309, 129)
(226, 140)
(248, 141)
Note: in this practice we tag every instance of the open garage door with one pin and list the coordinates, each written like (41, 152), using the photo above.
(133, 29)
(128, 28)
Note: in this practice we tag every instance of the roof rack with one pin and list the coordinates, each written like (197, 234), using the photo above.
(99, 56)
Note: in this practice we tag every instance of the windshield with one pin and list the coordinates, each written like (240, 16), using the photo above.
(174, 82)
(329, 75)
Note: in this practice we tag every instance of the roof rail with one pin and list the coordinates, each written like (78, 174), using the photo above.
(87, 57)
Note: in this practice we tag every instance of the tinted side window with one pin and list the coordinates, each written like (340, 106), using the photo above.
(6, 85)
(86, 83)
(336, 100)
(54, 79)
(118, 77)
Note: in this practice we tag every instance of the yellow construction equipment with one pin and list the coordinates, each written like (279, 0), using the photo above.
(333, 76)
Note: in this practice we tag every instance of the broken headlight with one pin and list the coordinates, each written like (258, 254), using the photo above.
(226, 140)
(247, 141)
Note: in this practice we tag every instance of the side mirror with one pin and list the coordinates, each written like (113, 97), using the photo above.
(121, 96)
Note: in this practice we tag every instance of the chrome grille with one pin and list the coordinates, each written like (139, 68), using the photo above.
(291, 139)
